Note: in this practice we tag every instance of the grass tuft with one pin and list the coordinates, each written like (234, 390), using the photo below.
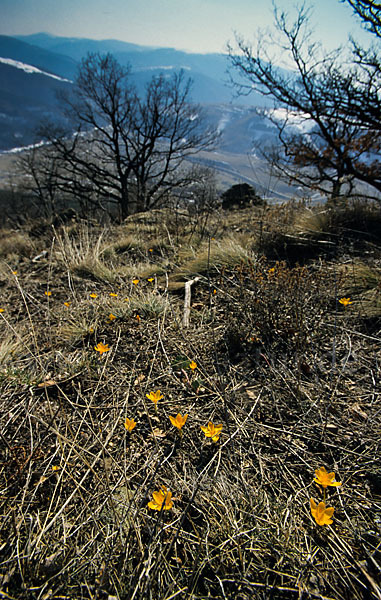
(285, 373)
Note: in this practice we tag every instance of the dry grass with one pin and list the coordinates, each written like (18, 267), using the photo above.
(352, 220)
(210, 257)
(14, 244)
(291, 375)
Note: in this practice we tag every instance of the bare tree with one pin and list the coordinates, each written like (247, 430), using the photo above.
(127, 149)
(326, 109)
(369, 12)
(40, 185)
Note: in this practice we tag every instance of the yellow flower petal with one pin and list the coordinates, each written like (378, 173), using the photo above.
(129, 424)
(212, 431)
(321, 514)
(101, 348)
(325, 479)
(345, 301)
(161, 500)
(178, 421)
(155, 396)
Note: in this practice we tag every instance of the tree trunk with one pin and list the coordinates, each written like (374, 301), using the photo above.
(124, 205)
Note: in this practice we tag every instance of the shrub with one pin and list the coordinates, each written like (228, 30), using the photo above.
(240, 195)
(354, 220)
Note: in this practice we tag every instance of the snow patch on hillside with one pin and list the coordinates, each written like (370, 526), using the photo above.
(223, 122)
(162, 68)
(29, 68)
(300, 121)
(23, 148)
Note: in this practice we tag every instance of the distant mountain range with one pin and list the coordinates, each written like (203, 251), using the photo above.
(62, 55)
(30, 79)
(34, 68)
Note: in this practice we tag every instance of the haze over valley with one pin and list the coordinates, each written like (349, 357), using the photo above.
(36, 69)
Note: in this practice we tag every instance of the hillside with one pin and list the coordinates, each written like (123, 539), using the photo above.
(32, 70)
(208, 71)
(108, 491)
(32, 54)
(28, 96)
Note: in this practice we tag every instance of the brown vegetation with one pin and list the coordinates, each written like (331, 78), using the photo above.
(269, 353)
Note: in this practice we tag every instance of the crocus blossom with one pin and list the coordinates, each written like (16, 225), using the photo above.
(161, 500)
(325, 479)
(321, 513)
(101, 348)
(129, 424)
(178, 421)
(155, 396)
(212, 431)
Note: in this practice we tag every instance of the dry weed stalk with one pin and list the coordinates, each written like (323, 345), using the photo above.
(255, 358)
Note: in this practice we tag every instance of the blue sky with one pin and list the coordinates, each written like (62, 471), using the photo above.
(192, 25)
